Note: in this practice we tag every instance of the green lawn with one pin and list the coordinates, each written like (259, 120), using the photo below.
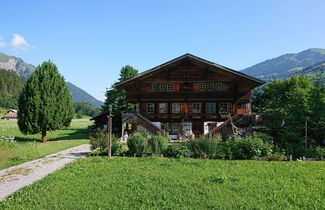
(151, 183)
(28, 147)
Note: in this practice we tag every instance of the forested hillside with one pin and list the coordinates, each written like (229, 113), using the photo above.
(10, 86)
(285, 65)
(17, 65)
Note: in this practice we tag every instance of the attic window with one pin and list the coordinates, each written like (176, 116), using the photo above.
(202, 87)
(169, 87)
(154, 87)
(162, 87)
(210, 87)
(218, 86)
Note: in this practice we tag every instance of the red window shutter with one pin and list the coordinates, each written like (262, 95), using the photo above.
(196, 86)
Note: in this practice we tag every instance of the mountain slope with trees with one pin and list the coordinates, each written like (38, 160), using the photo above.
(285, 65)
(23, 69)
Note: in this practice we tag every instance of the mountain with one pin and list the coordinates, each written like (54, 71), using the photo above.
(286, 65)
(16, 64)
(79, 95)
(23, 69)
(316, 72)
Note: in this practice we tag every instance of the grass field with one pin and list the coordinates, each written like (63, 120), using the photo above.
(28, 147)
(151, 183)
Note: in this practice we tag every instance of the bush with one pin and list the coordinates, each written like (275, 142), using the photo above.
(247, 148)
(275, 157)
(315, 152)
(203, 147)
(157, 144)
(100, 140)
(177, 151)
(137, 144)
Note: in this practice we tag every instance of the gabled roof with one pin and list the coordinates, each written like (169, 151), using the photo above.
(187, 55)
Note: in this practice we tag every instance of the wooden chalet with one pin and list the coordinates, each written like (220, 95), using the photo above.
(190, 95)
(10, 115)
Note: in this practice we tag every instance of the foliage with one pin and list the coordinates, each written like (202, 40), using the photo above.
(10, 87)
(157, 144)
(315, 152)
(100, 141)
(45, 102)
(247, 148)
(116, 96)
(137, 144)
(203, 147)
(286, 105)
(27, 148)
(84, 108)
(275, 157)
(177, 151)
(162, 183)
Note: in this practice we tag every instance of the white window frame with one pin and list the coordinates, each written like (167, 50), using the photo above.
(163, 108)
(169, 87)
(162, 87)
(210, 86)
(222, 107)
(154, 87)
(176, 108)
(202, 86)
(196, 108)
(210, 108)
(218, 86)
(150, 108)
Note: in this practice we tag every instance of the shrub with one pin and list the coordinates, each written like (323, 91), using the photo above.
(99, 140)
(203, 147)
(137, 144)
(156, 144)
(177, 151)
(275, 157)
(247, 148)
(119, 148)
(315, 152)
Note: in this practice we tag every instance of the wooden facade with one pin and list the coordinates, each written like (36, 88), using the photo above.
(190, 91)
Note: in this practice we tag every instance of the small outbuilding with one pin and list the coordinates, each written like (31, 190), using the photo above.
(11, 115)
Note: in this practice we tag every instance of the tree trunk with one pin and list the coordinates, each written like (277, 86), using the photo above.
(44, 138)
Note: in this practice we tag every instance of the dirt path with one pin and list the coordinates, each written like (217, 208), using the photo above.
(16, 177)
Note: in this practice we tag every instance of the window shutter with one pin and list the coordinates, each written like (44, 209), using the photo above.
(190, 108)
(196, 86)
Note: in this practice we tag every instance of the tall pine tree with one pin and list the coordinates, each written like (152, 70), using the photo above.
(116, 96)
(45, 102)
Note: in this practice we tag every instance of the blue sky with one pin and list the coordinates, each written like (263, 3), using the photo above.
(91, 40)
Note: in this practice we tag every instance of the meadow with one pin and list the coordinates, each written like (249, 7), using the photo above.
(151, 183)
(28, 147)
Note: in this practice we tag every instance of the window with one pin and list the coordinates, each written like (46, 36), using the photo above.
(176, 108)
(154, 87)
(218, 86)
(210, 108)
(169, 87)
(196, 108)
(162, 87)
(224, 107)
(137, 107)
(202, 87)
(163, 108)
(210, 87)
(150, 108)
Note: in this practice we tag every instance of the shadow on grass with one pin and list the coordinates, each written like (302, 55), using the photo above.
(76, 134)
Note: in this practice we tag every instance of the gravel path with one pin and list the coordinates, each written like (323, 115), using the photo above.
(16, 177)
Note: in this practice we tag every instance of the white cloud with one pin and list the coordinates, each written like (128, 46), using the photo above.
(18, 42)
(2, 42)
